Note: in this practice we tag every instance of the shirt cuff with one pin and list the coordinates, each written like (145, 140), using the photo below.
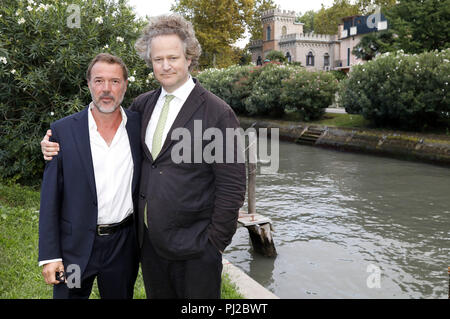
(44, 262)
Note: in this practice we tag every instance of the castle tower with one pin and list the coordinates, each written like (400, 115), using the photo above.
(276, 23)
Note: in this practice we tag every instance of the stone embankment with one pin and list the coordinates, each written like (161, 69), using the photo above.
(428, 148)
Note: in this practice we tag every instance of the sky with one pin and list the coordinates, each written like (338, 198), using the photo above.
(157, 7)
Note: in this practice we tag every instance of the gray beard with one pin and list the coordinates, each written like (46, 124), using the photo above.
(102, 110)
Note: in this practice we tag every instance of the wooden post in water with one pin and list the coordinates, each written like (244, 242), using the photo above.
(259, 227)
(251, 177)
(448, 282)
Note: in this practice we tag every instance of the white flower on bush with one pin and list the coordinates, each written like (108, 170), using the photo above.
(3, 60)
(106, 46)
(21, 21)
(52, 113)
(119, 39)
(31, 2)
(29, 8)
(44, 7)
(131, 79)
(99, 20)
(13, 71)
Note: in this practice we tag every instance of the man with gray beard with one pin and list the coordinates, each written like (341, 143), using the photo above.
(89, 192)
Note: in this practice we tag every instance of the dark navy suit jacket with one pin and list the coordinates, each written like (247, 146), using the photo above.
(68, 212)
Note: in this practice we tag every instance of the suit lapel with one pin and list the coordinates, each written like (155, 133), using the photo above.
(80, 131)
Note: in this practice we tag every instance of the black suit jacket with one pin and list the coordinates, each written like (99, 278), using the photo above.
(189, 203)
(68, 212)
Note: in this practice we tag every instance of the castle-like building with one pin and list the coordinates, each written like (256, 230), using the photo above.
(314, 51)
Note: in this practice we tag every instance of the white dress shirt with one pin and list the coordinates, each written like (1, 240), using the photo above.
(181, 94)
(113, 171)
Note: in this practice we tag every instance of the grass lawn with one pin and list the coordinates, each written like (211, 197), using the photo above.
(343, 120)
(20, 275)
(357, 121)
(332, 119)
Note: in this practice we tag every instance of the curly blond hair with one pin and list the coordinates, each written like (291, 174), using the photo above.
(166, 25)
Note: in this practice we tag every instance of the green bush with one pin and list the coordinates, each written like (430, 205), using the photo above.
(266, 89)
(275, 55)
(271, 89)
(231, 84)
(43, 61)
(400, 90)
(309, 93)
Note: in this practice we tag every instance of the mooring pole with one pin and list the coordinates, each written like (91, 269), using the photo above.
(251, 174)
(259, 227)
(448, 282)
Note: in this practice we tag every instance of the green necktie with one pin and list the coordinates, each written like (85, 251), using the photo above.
(157, 136)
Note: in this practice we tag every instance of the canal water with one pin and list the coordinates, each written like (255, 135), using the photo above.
(351, 226)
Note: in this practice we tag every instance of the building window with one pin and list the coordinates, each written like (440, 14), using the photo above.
(268, 33)
(310, 59)
(326, 59)
(283, 30)
(348, 56)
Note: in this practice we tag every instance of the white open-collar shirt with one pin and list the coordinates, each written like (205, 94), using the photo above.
(113, 171)
(181, 94)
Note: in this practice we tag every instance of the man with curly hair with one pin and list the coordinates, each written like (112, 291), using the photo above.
(187, 211)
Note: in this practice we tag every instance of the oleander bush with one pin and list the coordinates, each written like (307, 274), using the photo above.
(401, 91)
(272, 89)
(44, 53)
(309, 93)
(231, 84)
(266, 88)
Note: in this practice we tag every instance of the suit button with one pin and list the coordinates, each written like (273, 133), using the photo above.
(153, 166)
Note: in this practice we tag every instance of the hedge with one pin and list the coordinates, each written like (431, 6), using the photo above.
(399, 90)
(272, 89)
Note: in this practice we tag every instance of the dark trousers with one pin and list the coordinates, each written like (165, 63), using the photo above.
(114, 262)
(198, 278)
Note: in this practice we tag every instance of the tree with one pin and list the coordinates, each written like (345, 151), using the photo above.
(218, 24)
(420, 25)
(308, 21)
(367, 6)
(374, 43)
(327, 19)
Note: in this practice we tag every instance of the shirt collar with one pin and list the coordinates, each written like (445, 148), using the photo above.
(91, 121)
(182, 92)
